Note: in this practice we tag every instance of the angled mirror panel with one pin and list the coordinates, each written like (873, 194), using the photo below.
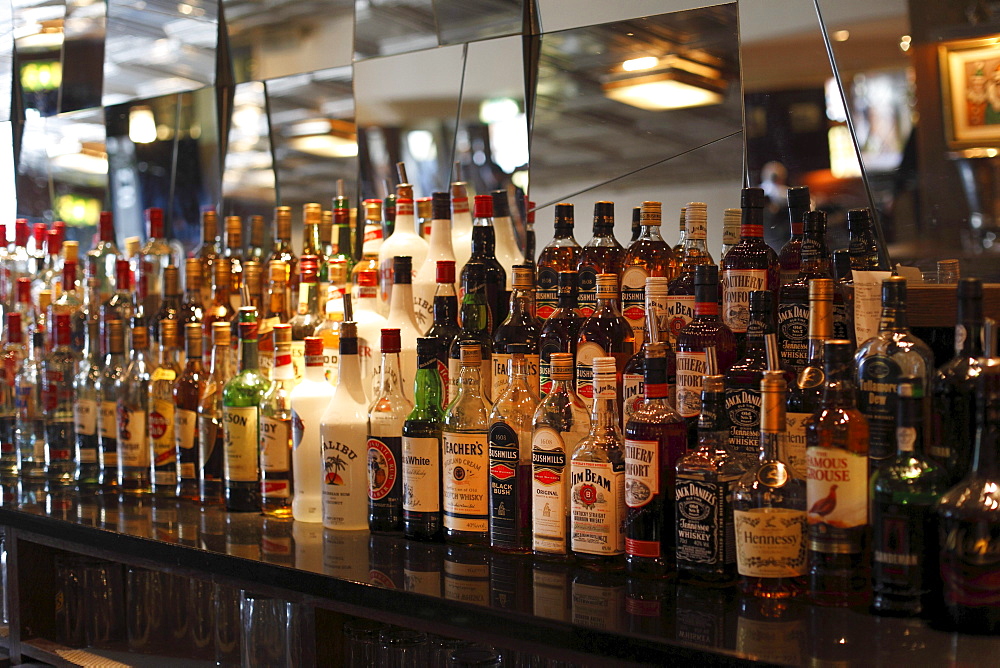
(6, 57)
(276, 39)
(404, 115)
(248, 180)
(197, 174)
(158, 47)
(83, 55)
(78, 164)
(38, 42)
(8, 173)
(34, 178)
(557, 15)
(464, 21)
(388, 27)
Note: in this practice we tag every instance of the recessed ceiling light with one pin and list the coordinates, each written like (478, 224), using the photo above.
(841, 35)
(637, 64)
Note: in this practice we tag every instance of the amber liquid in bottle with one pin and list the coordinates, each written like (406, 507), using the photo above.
(649, 255)
(561, 254)
(605, 334)
(602, 255)
(187, 393)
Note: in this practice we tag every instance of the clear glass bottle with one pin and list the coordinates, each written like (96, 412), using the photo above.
(633, 375)
(255, 249)
(162, 409)
(372, 242)
(132, 413)
(211, 426)
(308, 316)
(560, 330)
(560, 254)
(30, 424)
(649, 255)
(461, 220)
(521, 326)
(677, 248)
(156, 255)
(309, 400)
(104, 255)
(169, 304)
(282, 249)
(107, 418)
(439, 249)
(277, 472)
(207, 253)
(186, 394)
(601, 255)
(789, 257)
(421, 462)
(606, 333)
(11, 360)
(56, 379)
(121, 304)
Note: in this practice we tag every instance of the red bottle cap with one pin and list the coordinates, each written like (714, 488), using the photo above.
(531, 213)
(69, 274)
(368, 278)
(14, 332)
(154, 216)
(62, 329)
(314, 347)
(390, 341)
(483, 206)
(123, 274)
(24, 290)
(106, 227)
(53, 241)
(445, 271)
(21, 232)
(40, 234)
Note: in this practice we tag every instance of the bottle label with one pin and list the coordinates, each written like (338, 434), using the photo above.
(842, 322)
(878, 376)
(343, 476)
(88, 455)
(161, 431)
(505, 511)
(242, 441)
(680, 311)
(106, 421)
(585, 354)
(632, 393)
(185, 428)
(331, 364)
(836, 499)
(444, 373)
(634, 300)
(704, 521)
(794, 454)
(770, 542)
(501, 379)
(85, 417)
(133, 444)
(546, 292)
(383, 467)
(465, 465)
(598, 507)
(690, 376)
(421, 474)
(904, 543)
(788, 275)
(793, 334)
(587, 291)
(736, 286)
(642, 472)
(298, 349)
(544, 375)
(454, 368)
(597, 606)
(743, 409)
(163, 373)
(970, 559)
(549, 498)
(275, 444)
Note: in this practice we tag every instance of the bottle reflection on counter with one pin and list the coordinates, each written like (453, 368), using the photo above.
(772, 630)
(276, 544)
(467, 575)
(551, 589)
(510, 582)
(423, 565)
(598, 599)
(649, 605)
(703, 617)
(344, 554)
(385, 561)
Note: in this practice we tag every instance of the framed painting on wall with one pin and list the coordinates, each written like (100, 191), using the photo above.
(970, 87)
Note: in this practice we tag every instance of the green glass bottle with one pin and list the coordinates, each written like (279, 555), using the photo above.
(422, 449)
(241, 399)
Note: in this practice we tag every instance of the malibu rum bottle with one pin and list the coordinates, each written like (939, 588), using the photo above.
(602, 255)
(561, 254)
(308, 401)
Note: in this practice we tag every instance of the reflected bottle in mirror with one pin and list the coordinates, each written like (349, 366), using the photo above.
(282, 248)
(484, 247)
(233, 252)
(789, 257)
(521, 326)
(186, 393)
(694, 252)
(605, 333)
(601, 255)
(649, 255)
(444, 327)
(560, 254)
(208, 252)
(560, 330)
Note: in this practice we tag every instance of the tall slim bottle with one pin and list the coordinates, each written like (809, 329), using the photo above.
(385, 447)
(211, 422)
(56, 378)
(232, 250)
(208, 252)
(649, 255)
(560, 330)
(12, 357)
(30, 424)
(156, 255)
(633, 375)
(680, 304)
(425, 283)
(507, 250)
(421, 463)
(277, 470)
(789, 257)
(186, 393)
(107, 420)
(309, 400)
(445, 326)
(103, 255)
(282, 249)
(601, 255)
(605, 333)
(560, 254)
(401, 317)
(162, 409)
(132, 412)
(677, 248)
(484, 254)
(308, 317)
(475, 330)
(521, 326)
(461, 218)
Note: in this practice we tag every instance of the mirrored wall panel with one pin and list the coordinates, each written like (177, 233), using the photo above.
(387, 27)
(38, 40)
(248, 180)
(6, 58)
(34, 182)
(462, 21)
(83, 55)
(78, 166)
(197, 181)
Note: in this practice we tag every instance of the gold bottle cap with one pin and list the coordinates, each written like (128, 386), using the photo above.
(116, 336)
(132, 247)
(192, 339)
(192, 273)
(71, 251)
(607, 285)
(222, 269)
(283, 223)
(277, 271)
(257, 231)
(732, 218)
(604, 365)
(209, 225)
(168, 333)
(253, 270)
(234, 232)
(221, 333)
(657, 285)
(773, 397)
(472, 356)
(282, 334)
(140, 337)
(373, 210)
(682, 223)
(562, 366)
(523, 278)
(44, 300)
(171, 281)
(425, 208)
(651, 213)
(820, 289)
(311, 213)
(326, 227)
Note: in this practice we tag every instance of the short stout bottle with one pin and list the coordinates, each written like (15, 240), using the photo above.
(510, 456)
(421, 464)
(837, 486)
(308, 401)
(601, 255)
(561, 254)
(521, 326)
(559, 423)
(465, 456)
(769, 509)
(187, 391)
(597, 479)
(560, 330)
(904, 491)
(276, 467)
(655, 439)
(57, 370)
(649, 255)
(605, 333)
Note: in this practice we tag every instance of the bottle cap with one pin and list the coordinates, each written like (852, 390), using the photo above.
(604, 214)
(427, 345)
(154, 220)
(814, 222)
(471, 354)
(234, 231)
(859, 219)
(604, 366)
(910, 387)
(277, 271)
(256, 230)
(425, 208)
(695, 214)
(40, 232)
(842, 263)
(390, 340)
(564, 217)
(221, 333)
(820, 289)
(402, 269)
(69, 274)
(71, 250)
(283, 223)
(500, 207)
(706, 274)
(518, 348)
(752, 198)
(24, 289)
(44, 300)
(106, 228)
(123, 275)
(948, 267)
(209, 225)
(282, 333)
(348, 330)
(445, 271)
(252, 274)
(441, 206)
(607, 285)
(682, 222)
(894, 292)
(970, 288)
(140, 337)
(798, 197)
(651, 214)
(307, 268)
(731, 218)
(483, 206)
(312, 213)
(523, 277)
(14, 331)
(221, 269)
(192, 339)
(52, 241)
(192, 273)
(657, 285)
(171, 281)
(313, 345)
(562, 366)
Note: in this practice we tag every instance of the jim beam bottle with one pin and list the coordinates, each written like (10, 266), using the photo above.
(680, 303)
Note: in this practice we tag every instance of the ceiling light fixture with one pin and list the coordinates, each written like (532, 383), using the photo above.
(675, 83)
(638, 64)
(841, 35)
(141, 125)
(325, 138)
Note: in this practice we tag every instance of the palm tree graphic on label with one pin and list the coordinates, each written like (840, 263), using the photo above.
(334, 465)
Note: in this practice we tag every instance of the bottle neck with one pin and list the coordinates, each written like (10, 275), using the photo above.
(349, 366)
(522, 303)
(752, 224)
(840, 390)
(389, 376)
(445, 305)
(470, 383)
(484, 241)
(770, 446)
(814, 255)
(309, 298)
(706, 302)
(608, 306)
(248, 355)
(970, 341)
(604, 412)
(986, 458)
(475, 316)
(651, 233)
(893, 318)
(401, 303)
(440, 236)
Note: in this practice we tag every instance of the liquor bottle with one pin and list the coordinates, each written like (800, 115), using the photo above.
(282, 249)
(308, 316)
(605, 333)
(445, 326)
(521, 326)
(969, 522)
(904, 490)
(121, 304)
(369, 325)
(648, 256)
(169, 304)
(162, 408)
(461, 220)
(678, 248)
(881, 361)
(403, 241)
(597, 479)
(309, 400)
(484, 255)
(132, 413)
(837, 486)
(948, 271)
(11, 359)
(372, 242)
(560, 330)
(107, 419)
(789, 257)
(70, 302)
(207, 253)
(769, 509)
(312, 214)
(343, 428)
(806, 394)
(633, 374)
(56, 378)
(401, 317)
(103, 255)
(475, 330)
(954, 419)
(187, 392)
(44, 275)
(601, 255)
(328, 331)
(862, 245)
(507, 250)
(233, 251)
(220, 309)
(680, 305)
(560, 254)
(211, 422)
(30, 424)
(241, 399)
(636, 226)
(425, 283)
(465, 457)
(560, 422)
(276, 310)
(24, 305)
(529, 234)
(510, 436)
(156, 255)
(385, 447)
(655, 439)
(750, 265)
(277, 472)
(191, 309)
(706, 479)
(255, 249)
(706, 330)
(421, 461)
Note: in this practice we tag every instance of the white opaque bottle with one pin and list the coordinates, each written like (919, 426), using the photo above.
(507, 250)
(370, 324)
(309, 399)
(404, 240)
(401, 317)
(343, 431)
(425, 280)
(461, 224)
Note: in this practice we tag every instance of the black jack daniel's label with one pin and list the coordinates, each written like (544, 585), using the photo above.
(704, 522)
(793, 334)
(743, 409)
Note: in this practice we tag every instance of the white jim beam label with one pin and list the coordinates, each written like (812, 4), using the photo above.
(736, 286)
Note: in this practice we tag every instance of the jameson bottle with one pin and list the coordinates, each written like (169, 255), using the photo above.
(649, 255)
(954, 417)
(521, 326)
(655, 439)
(561, 254)
(277, 473)
(211, 431)
(597, 479)
(161, 412)
(560, 330)
(241, 422)
(806, 394)
(882, 361)
(969, 519)
(680, 304)
(750, 265)
(837, 486)
(107, 420)
(769, 509)
(187, 392)
(905, 489)
(559, 423)
(475, 330)
(58, 367)
(605, 333)
(421, 463)
(444, 327)
(510, 456)
(465, 456)
(789, 257)
(132, 413)
(602, 255)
